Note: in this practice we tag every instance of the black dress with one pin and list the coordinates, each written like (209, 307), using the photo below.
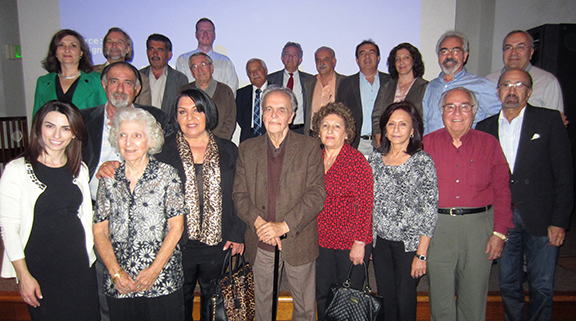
(56, 251)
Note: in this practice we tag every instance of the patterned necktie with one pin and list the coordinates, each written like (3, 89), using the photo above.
(291, 82)
(256, 119)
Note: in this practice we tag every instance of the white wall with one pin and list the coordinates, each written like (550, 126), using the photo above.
(38, 20)
(11, 81)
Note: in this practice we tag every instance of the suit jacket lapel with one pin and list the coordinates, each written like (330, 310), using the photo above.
(526, 134)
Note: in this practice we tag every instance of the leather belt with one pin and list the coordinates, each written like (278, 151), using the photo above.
(367, 137)
(463, 211)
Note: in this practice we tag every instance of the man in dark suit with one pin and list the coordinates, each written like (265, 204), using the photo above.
(537, 147)
(164, 80)
(325, 84)
(278, 192)
(248, 103)
(121, 83)
(361, 93)
(294, 79)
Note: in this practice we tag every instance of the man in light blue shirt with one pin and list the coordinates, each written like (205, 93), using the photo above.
(452, 50)
(361, 93)
(224, 70)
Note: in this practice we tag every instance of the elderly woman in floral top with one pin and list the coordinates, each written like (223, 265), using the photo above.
(405, 202)
(137, 225)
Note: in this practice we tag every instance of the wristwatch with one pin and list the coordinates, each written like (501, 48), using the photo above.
(503, 237)
(421, 257)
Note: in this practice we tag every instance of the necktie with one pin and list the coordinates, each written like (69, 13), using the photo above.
(290, 84)
(256, 119)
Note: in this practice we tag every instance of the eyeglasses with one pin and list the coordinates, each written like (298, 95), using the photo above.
(518, 48)
(202, 64)
(455, 51)
(465, 108)
(516, 85)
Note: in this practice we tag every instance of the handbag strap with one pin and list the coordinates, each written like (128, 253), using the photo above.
(366, 284)
(227, 265)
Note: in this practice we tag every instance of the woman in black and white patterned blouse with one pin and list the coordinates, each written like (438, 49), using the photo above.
(405, 202)
(137, 224)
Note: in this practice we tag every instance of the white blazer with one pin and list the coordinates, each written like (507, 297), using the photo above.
(19, 190)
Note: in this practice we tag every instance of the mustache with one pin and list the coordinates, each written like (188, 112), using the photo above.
(512, 96)
(447, 60)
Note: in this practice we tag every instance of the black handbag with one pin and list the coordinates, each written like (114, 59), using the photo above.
(232, 293)
(346, 303)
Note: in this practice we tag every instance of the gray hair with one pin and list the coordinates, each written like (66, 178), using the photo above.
(293, 44)
(325, 48)
(104, 75)
(256, 59)
(529, 36)
(138, 115)
(129, 43)
(466, 90)
(274, 89)
(199, 53)
(453, 34)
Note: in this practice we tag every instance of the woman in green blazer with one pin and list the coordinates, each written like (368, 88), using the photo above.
(70, 78)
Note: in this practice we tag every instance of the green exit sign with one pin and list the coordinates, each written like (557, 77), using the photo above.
(13, 52)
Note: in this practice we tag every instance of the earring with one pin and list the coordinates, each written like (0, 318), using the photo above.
(411, 135)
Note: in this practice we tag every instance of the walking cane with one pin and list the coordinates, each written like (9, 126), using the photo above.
(275, 288)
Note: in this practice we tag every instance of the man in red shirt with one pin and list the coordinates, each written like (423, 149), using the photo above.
(474, 210)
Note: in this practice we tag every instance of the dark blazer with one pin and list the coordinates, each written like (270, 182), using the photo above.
(300, 193)
(309, 85)
(232, 227)
(89, 91)
(277, 78)
(349, 95)
(174, 80)
(94, 121)
(244, 99)
(415, 95)
(542, 182)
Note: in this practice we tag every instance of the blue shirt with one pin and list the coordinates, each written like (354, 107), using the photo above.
(368, 94)
(484, 89)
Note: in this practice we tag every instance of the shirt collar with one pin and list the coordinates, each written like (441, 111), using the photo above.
(520, 116)
(457, 75)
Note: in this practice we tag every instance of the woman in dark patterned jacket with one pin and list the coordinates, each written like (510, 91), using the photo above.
(405, 202)
(345, 223)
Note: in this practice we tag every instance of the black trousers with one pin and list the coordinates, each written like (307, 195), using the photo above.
(201, 264)
(332, 267)
(163, 308)
(392, 266)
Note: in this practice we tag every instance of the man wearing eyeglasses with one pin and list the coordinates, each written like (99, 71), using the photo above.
(517, 50)
(474, 212)
(202, 67)
(537, 148)
(452, 50)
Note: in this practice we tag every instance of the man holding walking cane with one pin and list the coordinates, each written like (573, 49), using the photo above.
(278, 192)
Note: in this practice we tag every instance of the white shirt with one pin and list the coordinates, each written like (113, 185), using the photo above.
(546, 91)
(107, 153)
(297, 90)
(509, 136)
(223, 68)
(254, 98)
(157, 87)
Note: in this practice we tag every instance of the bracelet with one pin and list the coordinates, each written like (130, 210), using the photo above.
(117, 275)
(503, 237)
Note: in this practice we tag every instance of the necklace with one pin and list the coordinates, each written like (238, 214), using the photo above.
(69, 77)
